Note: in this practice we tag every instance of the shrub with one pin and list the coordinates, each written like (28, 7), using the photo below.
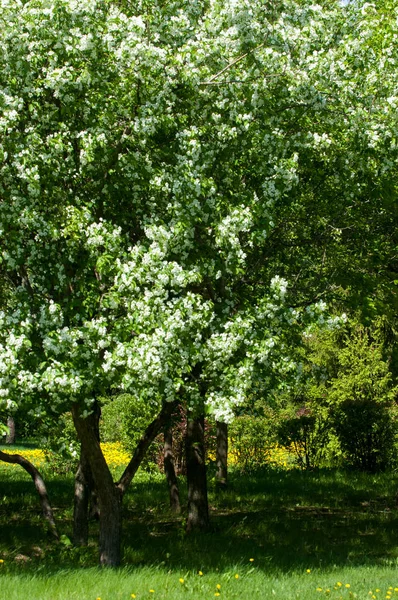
(362, 404)
(124, 419)
(252, 442)
(367, 433)
(61, 446)
(307, 434)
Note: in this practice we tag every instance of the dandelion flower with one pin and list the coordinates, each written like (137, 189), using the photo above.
(347, 585)
(151, 591)
(181, 580)
(251, 559)
(339, 584)
(308, 571)
(236, 576)
(1, 561)
(218, 586)
(200, 573)
(318, 589)
(133, 596)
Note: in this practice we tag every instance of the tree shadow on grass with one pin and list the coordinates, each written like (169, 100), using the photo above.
(286, 521)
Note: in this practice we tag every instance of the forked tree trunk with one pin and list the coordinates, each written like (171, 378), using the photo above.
(198, 509)
(222, 454)
(39, 485)
(109, 496)
(146, 439)
(10, 437)
(169, 469)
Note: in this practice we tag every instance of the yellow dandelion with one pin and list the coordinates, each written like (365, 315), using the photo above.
(318, 589)
(236, 576)
(308, 571)
(200, 573)
(151, 591)
(347, 585)
(1, 561)
(218, 586)
(133, 596)
(181, 580)
(251, 559)
(339, 584)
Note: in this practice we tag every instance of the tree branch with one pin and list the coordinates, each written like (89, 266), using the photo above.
(147, 438)
(17, 459)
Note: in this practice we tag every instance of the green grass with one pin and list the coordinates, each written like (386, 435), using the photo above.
(343, 527)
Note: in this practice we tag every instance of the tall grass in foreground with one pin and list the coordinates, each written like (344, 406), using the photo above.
(238, 582)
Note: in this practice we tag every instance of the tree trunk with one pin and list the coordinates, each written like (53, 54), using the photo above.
(147, 438)
(198, 509)
(222, 454)
(39, 485)
(85, 492)
(83, 488)
(10, 437)
(109, 496)
(170, 470)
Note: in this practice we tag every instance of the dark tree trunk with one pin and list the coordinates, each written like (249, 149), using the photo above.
(109, 497)
(39, 485)
(83, 488)
(147, 438)
(10, 437)
(169, 470)
(85, 492)
(198, 509)
(222, 454)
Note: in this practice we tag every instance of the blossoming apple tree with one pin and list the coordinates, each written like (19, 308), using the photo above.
(147, 156)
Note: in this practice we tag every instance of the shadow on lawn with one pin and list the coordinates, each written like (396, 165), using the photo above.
(285, 521)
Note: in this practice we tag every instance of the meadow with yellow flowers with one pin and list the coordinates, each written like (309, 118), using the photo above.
(276, 533)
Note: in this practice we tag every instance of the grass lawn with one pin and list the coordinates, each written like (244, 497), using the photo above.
(276, 534)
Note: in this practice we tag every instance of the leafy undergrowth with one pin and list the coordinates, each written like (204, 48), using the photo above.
(309, 535)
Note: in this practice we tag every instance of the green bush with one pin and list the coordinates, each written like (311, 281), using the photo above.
(251, 439)
(124, 419)
(307, 434)
(61, 446)
(362, 404)
(367, 433)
